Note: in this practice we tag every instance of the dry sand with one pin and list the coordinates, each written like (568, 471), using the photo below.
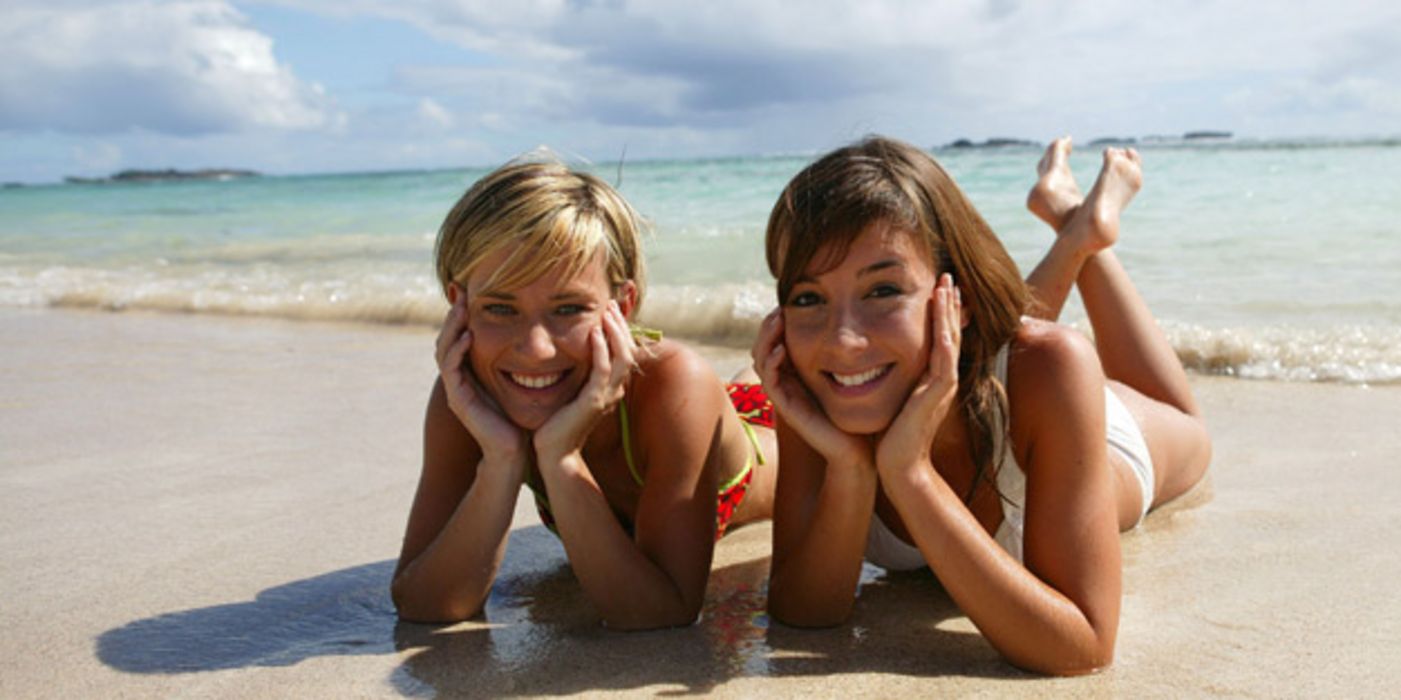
(200, 507)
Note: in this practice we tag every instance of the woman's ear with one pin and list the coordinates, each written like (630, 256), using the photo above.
(627, 298)
(454, 291)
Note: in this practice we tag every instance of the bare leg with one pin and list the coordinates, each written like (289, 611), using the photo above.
(1142, 365)
(1056, 200)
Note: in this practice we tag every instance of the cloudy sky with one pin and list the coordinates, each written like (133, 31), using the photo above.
(292, 86)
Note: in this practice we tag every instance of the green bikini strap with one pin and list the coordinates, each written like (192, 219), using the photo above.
(627, 440)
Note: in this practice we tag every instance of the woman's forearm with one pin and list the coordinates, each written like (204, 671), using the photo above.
(1032, 624)
(630, 590)
(449, 580)
(817, 567)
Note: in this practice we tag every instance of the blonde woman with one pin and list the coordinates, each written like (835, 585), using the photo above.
(638, 458)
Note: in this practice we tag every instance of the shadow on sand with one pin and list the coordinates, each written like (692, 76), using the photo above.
(539, 634)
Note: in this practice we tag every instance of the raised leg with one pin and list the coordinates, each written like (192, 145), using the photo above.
(1135, 354)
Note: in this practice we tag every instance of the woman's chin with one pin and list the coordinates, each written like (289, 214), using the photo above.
(529, 418)
(868, 422)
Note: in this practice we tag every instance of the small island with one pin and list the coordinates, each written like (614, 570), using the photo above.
(992, 143)
(167, 175)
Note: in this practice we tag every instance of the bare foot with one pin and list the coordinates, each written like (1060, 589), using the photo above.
(1055, 195)
(1094, 226)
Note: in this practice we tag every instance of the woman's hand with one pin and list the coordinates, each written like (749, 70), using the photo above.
(566, 431)
(497, 436)
(907, 442)
(796, 404)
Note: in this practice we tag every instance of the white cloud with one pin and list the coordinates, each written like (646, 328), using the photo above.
(176, 67)
(677, 77)
(434, 114)
(961, 67)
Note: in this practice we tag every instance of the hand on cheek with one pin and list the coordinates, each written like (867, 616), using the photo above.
(908, 441)
(793, 402)
(611, 361)
(494, 433)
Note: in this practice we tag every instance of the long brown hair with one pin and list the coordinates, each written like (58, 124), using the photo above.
(827, 206)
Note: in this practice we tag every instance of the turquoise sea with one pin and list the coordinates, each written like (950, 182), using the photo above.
(1277, 260)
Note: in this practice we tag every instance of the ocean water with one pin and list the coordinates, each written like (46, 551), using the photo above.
(1260, 260)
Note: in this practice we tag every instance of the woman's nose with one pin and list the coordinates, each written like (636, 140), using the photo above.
(537, 342)
(846, 332)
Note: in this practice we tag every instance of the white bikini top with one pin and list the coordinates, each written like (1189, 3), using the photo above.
(885, 549)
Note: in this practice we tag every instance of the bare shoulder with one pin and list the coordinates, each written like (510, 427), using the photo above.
(667, 368)
(677, 386)
(1049, 368)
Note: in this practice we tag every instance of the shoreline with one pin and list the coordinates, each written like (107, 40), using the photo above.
(211, 506)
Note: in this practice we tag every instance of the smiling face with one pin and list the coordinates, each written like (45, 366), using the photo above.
(858, 333)
(530, 344)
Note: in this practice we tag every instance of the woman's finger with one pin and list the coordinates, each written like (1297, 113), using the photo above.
(453, 325)
(769, 332)
(620, 344)
(456, 354)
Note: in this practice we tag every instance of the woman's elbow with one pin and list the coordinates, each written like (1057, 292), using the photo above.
(1080, 662)
(635, 620)
(796, 612)
(413, 607)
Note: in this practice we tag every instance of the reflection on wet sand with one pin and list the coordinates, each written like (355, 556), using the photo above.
(539, 635)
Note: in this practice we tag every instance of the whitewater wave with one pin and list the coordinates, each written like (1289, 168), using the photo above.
(727, 314)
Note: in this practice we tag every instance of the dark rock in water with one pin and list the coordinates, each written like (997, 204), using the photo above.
(992, 143)
(12, 185)
(1114, 141)
(1002, 143)
(1196, 135)
(167, 175)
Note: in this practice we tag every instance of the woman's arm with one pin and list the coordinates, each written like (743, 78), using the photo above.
(457, 528)
(822, 513)
(1060, 612)
(473, 463)
(823, 501)
(656, 577)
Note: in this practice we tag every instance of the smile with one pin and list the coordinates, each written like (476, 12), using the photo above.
(536, 381)
(860, 378)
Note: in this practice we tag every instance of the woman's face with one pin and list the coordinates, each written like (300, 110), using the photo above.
(858, 334)
(530, 345)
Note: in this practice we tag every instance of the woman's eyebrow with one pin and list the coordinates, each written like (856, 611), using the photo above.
(878, 266)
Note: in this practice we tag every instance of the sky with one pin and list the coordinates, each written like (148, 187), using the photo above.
(308, 86)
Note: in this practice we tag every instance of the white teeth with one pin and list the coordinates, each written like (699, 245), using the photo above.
(536, 381)
(858, 379)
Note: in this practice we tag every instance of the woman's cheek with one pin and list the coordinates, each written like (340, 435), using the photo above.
(802, 331)
(572, 333)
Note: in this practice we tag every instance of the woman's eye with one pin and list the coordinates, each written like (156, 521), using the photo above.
(569, 309)
(499, 309)
(884, 290)
(804, 299)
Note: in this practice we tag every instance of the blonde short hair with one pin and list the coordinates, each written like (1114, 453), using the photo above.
(551, 218)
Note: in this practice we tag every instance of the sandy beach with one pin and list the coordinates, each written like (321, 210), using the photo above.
(211, 507)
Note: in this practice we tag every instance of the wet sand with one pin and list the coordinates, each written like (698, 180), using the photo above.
(210, 507)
